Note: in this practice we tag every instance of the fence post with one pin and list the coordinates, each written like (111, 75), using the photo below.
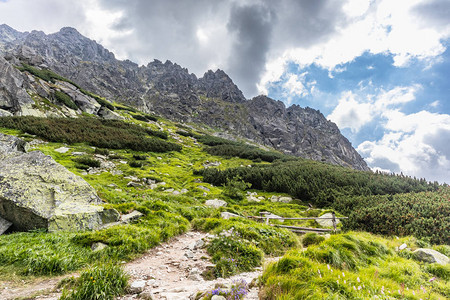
(263, 213)
(334, 221)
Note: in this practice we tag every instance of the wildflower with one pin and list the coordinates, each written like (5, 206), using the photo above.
(357, 279)
(343, 274)
(345, 281)
(432, 279)
(337, 281)
(359, 287)
(354, 287)
(328, 266)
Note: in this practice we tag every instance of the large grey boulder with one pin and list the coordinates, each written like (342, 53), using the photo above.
(12, 93)
(431, 256)
(37, 192)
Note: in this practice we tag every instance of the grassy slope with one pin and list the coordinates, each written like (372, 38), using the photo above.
(166, 215)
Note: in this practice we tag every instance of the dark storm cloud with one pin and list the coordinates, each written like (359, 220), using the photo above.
(252, 27)
(255, 30)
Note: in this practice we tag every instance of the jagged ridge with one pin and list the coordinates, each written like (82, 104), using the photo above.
(169, 90)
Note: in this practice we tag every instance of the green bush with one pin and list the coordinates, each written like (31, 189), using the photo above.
(135, 164)
(235, 188)
(424, 215)
(439, 270)
(234, 255)
(104, 152)
(86, 162)
(113, 134)
(139, 156)
(98, 283)
(312, 239)
(65, 99)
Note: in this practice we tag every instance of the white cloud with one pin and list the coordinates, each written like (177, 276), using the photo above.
(415, 144)
(377, 27)
(354, 110)
(350, 113)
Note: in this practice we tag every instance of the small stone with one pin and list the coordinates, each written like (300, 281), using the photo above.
(98, 246)
(175, 193)
(189, 254)
(146, 295)
(199, 244)
(402, 246)
(216, 203)
(137, 286)
(285, 199)
(226, 215)
(183, 191)
(218, 297)
(159, 253)
(204, 188)
(134, 184)
(78, 153)
(62, 150)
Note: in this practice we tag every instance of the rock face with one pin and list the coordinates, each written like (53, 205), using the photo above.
(171, 91)
(37, 192)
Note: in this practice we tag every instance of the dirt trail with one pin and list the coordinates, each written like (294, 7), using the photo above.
(170, 271)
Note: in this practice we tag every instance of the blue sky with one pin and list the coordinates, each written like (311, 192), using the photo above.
(379, 69)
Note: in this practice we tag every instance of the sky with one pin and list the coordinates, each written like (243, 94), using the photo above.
(379, 69)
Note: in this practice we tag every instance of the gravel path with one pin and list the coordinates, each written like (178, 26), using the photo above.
(170, 271)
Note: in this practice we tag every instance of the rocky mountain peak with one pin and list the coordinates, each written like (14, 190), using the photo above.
(169, 90)
(219, 85)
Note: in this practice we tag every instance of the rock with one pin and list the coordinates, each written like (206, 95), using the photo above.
(37, 192)
(216, 203)
(218, 297)
(324, 222)
(132, 216)
(194, 274)
(402, 246)
(183, 191)
(285, 199)
(5, 113)
(146, 295)
(273, 216)
(13, 97)
(199, 244)
(169, 190)
(226, 215)
(62, 150)
(137, 286)
(208, 164)
(98, 246)
(134, 184)
(430, 256)
(4, 225)
(189, 254)
(274, 198)
(204, 188)
(153, 186)
(78, 153)
(175, 193)
(108, 114)
(252, 199)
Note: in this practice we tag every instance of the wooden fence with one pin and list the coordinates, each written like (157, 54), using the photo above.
(265, 216)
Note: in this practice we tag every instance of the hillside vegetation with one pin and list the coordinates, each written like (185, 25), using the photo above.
(170, 168)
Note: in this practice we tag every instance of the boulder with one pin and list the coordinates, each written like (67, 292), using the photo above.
(431, 256)
(37, 192)
(226, 215)
(216, 203)
(324, 220)
(4, 225)
(98, 246)
(108, 114)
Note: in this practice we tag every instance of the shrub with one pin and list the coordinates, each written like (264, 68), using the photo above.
(104, 152)
(65, 99)
(86, 162)
(235, 188)
(312, 239)
(98, 282)
(113, 134)
(135, 164)
(139, 156)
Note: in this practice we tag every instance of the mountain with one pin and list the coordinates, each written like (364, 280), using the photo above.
(165, 89)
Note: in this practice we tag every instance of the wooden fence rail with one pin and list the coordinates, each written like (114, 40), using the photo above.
(266, 216)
